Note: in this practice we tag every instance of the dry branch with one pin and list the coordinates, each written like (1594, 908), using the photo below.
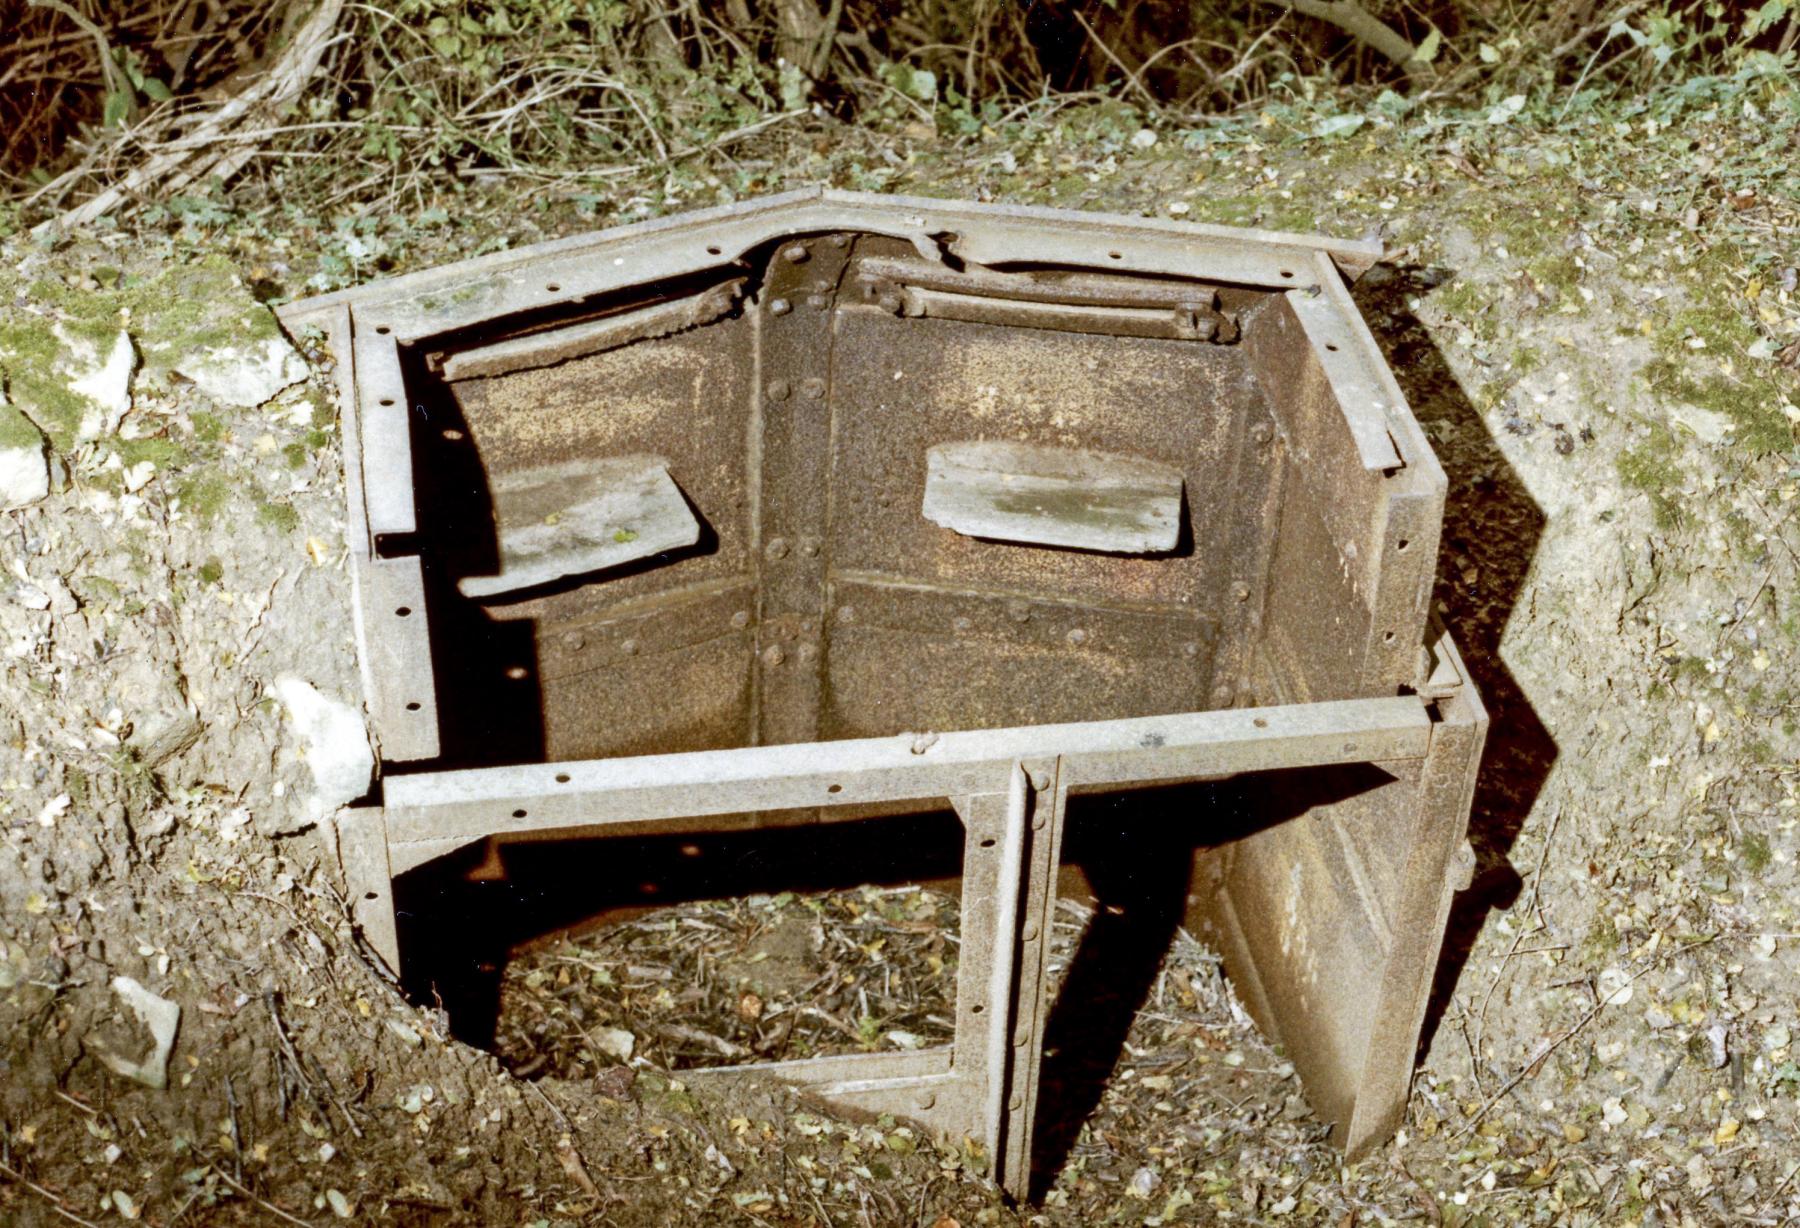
(1364, 27)
(174, 164)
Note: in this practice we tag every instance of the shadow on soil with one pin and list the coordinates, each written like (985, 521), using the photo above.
(1492, 527)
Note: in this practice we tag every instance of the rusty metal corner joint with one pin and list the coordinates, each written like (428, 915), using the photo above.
(831, 507)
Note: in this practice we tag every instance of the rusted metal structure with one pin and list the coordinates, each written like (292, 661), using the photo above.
(830, 506)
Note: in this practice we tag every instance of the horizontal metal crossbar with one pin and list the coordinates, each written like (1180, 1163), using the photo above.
(439, 807)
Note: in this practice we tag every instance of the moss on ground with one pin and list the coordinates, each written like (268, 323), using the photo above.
(1651, 468)
(279, 516)
(181, 310)
(16, 430)
(203, 495)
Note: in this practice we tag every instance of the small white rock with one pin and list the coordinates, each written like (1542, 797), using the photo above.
(615, 1042)
(336, 741)
(1715, 1039)
(1143, 1183)
(108, 387)
(161, 1017)
(248, 376)
(1615, 987)
(24, 468)
(1143, 138)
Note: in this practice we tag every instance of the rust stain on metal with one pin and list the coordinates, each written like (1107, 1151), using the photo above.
(1230, 578)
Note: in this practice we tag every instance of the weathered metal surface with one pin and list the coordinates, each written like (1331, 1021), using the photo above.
(1076, 499)
(1221, 570)
(545, 349)
(578, 517)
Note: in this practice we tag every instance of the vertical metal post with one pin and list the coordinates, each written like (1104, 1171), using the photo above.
(1006, 946)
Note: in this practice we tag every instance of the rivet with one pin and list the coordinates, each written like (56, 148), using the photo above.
(809, 548)
(962, 623)
(779, 306)
(1077, 636)
(1040, 780)
(779, 389)
(1021, 1036)
(629, 648)
(1262, 432)
(1030, 931)
(773, 655)
(573, 641)
(1016, 1103)
(846, 614)
(795, 254)
(1018, 611)
(1190, 650)
(808, 652)
(925, 1100)
(1222, 694)
(839, 240)
(777, 548)
(741, 619)
(818, 302)
(1240, 591)
(812, 389)
(889, 303)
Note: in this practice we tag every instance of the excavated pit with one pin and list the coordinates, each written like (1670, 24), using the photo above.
(838, 540)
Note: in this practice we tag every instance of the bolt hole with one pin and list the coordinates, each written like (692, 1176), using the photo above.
(1331, 346)
(977, 1009)
(835, 789)
(1402, 544)
(413, 706)
(553, 288)
(515, 672)
(384, 330)
(1260, 723)
(562, 778)
(713, 251)
(1115, 255)
(369, 895)
(1388, 638)
(518, 814)
(988, 843)
(452, 435)
(404, 611)
(387, 400)
(1287, 272)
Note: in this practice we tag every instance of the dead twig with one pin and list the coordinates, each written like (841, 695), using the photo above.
(1537, 882)
(1537, 1057)
(270, 91)
(56, 1204)
(1363, 26)
(1131, 78)
(256, 1198)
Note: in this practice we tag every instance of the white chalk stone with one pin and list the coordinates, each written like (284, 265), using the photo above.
(160, 1017)
(245, 376)
(24, 469)
(107, 388)
(336, 742)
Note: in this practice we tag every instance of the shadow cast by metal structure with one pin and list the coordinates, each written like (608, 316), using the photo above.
(829, 507)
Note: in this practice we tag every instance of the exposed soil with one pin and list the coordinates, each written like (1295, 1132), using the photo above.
(1595, 326)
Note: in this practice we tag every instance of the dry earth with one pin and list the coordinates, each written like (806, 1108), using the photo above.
(1597, 326)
